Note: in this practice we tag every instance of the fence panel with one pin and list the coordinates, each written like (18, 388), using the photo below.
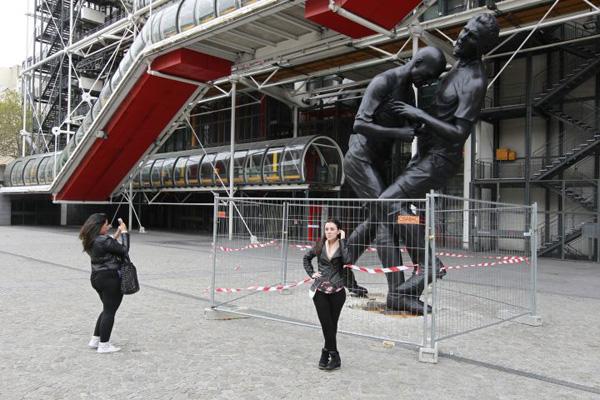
(485, 249)
(485, 267)
(259, 261)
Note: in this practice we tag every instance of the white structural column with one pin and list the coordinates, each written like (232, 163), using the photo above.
(467, 175)
(4, 210)
(232, 153)
(295, 120)
(416, 31)
(64, 210)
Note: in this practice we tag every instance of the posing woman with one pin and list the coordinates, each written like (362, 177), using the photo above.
(327, 290)
(106, 254)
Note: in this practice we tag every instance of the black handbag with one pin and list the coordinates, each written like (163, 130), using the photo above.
(129, 278)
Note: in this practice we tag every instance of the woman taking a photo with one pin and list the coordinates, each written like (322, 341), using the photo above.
(106, 254)
(327, 290)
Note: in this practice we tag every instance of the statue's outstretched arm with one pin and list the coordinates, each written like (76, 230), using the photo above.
(456, 132)
(377, 131)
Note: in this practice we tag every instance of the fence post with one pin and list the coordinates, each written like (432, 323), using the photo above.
(533, 319)
(214, 252)
(284, 242)
(429, 352)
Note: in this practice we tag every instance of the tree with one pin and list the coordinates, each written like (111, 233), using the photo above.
(11, 123)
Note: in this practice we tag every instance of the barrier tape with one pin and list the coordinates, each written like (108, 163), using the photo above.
(515, 260)
(381, 270)
(378, 270)
(250, 246)
(368, 250)
(274, 288)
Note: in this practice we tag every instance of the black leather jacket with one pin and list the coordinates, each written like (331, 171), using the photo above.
(106, 253)
(331, 270)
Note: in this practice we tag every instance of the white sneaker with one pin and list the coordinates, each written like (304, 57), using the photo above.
(107, 347)
(94, 342)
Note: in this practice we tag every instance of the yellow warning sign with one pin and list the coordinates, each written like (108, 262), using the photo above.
(408, 219)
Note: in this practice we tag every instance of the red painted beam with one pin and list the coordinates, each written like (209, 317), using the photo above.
(139, 120)
(385, 13)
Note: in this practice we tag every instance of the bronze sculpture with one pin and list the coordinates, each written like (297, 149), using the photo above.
(441, 135)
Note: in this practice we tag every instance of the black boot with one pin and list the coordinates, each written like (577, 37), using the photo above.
(352, 285)
(406, 297)
(324, 358)
(335, 362)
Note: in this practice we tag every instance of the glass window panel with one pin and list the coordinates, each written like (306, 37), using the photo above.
(145, 174)
(254, 167)
(222, 169)
(226, 6)
(156, 171)
(167, 172)
(205, 11)
(34, 171)
(50, 170)
(292, 164)
(272, 165)
(239, 161)
(186, 15)
(206, 170)
(322, 165)
(136, 181)
(42, 171)
(192, 167)
(179, 171)
(168, 22)
(16, 175)
(27, 172)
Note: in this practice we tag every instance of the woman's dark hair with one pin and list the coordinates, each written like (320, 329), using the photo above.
(321, 242)
(91, 229)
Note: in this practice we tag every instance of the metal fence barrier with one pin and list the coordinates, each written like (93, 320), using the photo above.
(481, 250)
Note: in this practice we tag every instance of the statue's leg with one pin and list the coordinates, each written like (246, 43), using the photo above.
(366, 181)
(357, 243)
(413, 183)
(388, 249)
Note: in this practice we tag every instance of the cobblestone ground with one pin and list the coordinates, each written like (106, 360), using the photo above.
(170, 351)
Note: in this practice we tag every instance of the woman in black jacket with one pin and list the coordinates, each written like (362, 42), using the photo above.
(327, 290)
(106, 257)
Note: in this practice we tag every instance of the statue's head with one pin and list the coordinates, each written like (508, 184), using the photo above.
(427, 65)
(479, 36)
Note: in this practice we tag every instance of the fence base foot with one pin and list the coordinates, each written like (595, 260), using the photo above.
(428, 354)
(214, 314)
(531, 320)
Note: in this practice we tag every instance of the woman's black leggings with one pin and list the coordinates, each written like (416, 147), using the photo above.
(329, 307)
(108, 286)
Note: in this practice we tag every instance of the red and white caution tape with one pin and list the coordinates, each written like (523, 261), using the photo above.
(373, 249)
(273, 288)
(250, 246)
(379, 270)
(459, 255)
(514, 260)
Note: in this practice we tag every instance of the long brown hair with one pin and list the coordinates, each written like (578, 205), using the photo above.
(321, 242)
(91, 230)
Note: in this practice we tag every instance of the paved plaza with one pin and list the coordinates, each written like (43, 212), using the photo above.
(170, 351)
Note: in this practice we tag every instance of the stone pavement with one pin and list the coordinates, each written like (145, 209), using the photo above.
(170, 351)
